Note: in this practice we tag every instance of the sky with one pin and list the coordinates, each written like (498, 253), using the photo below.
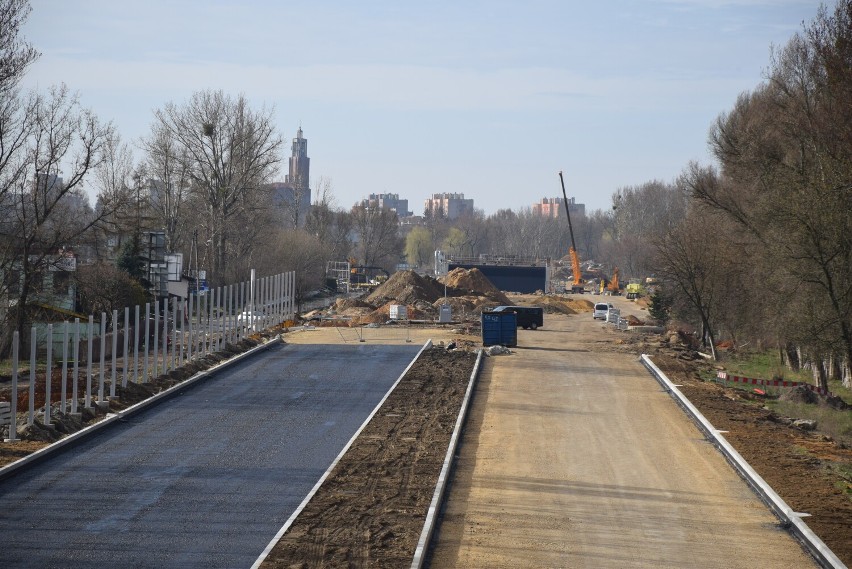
(486, 98)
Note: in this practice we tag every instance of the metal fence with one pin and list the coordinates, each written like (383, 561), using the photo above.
(149, 341)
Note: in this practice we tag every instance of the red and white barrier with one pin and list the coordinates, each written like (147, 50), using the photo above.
(769, 382)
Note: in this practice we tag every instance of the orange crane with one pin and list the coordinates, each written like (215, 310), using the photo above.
(577, 285)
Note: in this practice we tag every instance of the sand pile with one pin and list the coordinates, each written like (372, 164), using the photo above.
(473, 283)
(580, 304)
(407, 287)
(555, 304)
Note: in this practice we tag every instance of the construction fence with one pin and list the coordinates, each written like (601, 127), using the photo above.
(84, 358)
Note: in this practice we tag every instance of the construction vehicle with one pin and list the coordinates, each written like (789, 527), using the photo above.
(634, 289)
(577, 284)
(613, 287)
(365, 276)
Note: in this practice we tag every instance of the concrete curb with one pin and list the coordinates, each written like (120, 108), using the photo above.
(815, 546)
(274, 541)
(444, 478)
(74, 438)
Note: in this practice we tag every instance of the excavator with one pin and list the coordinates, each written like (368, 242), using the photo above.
(577, 285)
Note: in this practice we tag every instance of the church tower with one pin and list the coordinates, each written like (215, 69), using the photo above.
(300, 165)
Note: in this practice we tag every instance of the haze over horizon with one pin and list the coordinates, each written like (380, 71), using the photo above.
(489, 99)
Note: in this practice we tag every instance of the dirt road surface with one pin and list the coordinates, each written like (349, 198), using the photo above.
(575, 457)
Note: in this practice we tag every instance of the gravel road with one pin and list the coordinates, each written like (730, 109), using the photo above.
(574, 457)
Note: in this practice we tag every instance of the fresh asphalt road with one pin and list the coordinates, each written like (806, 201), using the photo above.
(206, 478)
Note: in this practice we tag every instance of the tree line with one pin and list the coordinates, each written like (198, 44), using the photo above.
(754, 249)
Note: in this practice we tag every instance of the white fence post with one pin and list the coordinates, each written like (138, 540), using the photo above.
(48, 374)
(76, 374)
(13, 400)
(114, 374)
(174, 333)
(91, 331)
(147, 343)
(191, 341)
(155, 373)
(165, 339)
(32, 375)
(136, 346)
(181, 316)
(126, 350)
(64, 389)
(103, 359)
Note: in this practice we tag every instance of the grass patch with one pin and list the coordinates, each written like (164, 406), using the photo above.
(836, 424)
(764, 365)
(844, 473)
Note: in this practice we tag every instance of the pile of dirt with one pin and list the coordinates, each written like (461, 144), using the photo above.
(344, 304)
(406, 287)
(799, 394)
(466, 304)
(471, 282)
(580, 304)
(802, 394)
(633, 321)
(555, 305)
(382, 313)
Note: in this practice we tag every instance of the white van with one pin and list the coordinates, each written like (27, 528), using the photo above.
(601, 308)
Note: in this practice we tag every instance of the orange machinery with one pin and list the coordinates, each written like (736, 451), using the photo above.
(577, 285)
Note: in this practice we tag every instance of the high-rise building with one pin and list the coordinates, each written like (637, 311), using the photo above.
(300, 164)
(386, 201)
(294, 194)
(448, 205)
(552, 207)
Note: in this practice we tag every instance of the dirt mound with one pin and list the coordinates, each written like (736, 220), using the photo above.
(633, 321)
(406, 287)
(471, 282)
(382, 313)
(580, 304)
(342, 304)
(468, 304)
(555, 304)
(471, 279)
(800, 394)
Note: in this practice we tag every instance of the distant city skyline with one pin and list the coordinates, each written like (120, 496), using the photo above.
(486, 99)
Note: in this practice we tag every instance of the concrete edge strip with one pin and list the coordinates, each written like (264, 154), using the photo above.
(443, 479)
(274, 541)
(779, 507)
(82, 434)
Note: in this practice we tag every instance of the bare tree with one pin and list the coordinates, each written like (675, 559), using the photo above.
(15, 54)
(44, 212)
(697, 265)
(379, 243)
(785, 153)
(168, 164)
(229, 151)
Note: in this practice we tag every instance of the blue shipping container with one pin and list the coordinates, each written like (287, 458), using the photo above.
(499, 328)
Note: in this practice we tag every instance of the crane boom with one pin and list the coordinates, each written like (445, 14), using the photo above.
(575, 259)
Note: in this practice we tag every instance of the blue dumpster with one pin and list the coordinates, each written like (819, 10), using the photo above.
(499, 328)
